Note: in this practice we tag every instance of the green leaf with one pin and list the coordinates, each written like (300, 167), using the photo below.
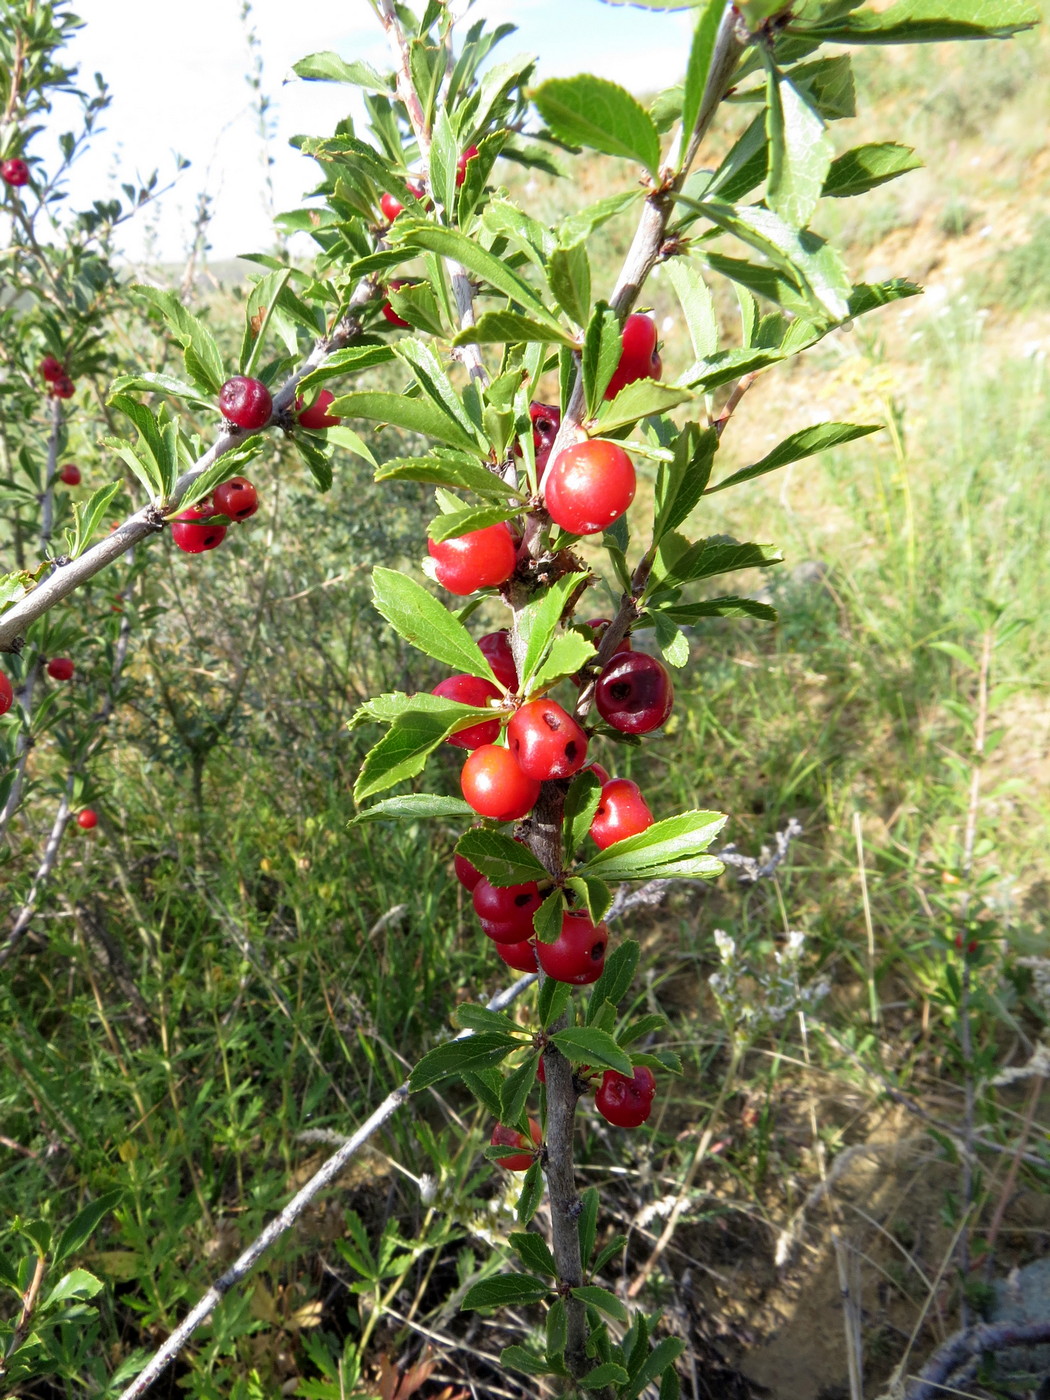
(605, 1302)
(352, 359)
(531, 1194)
(157, 445)
(146, 471)
(865, 167)
(617, 976)
(798, 446)
(827, 85)
(553, 1001)
(569, 273)
(589, 111)
(800, 151)
(608, 1373)
(510, 328)
(547, 920)
(698, 67)
(538, 621)
(414, 806)
(76, 1284)
(602, 347)
(317, 458)
(203, 361)
(681, 482)
(328, 67)
(594, 894)
(521, 1359)
(500, 859)
(641, 399)
(469, 1016)
(445, 467)
(514, 1093)
(448, 243)
(569, 651)
(347, 439)
(923, 22)
(151, 383)
(83, 1225)
(581, 803)
(89, 516)
(673, 646)
(706, 559)
(485, 1084)
(461, 522)
(260, 311)
(588, 1045)
(418, 617)
(458, 1056)
(593, 216)
(674, 846)
(229, 464)
(698, 305)
(403, 751)
(435, 383)
(607, 1252)
(505, 1290)
(685, 614)
(664, 1354)
(534, 1253)
(418, 415)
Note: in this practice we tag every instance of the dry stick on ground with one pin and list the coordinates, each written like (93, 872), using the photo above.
(934, 1381)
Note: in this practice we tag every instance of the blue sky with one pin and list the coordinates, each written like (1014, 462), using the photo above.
(185, 90)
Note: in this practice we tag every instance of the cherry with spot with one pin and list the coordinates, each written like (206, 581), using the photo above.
(577, 955)
(546, 741)
(476, 692)
(521, 1159)
(624, 1102)
(236, 498)
(316, 417)
(622, 812)
(245, 402)
(193, 532)
(589, 486)
(634, 693)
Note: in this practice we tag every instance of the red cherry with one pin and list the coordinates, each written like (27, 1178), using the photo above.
(638, 357)
(245, 402)
(15, 172)
(520, 956)
(634, 693)
(63, 388)
(317, 416)
(622, 812)
(87, 819)
(972, 947)
(581, 1073)
(60, 669)
(546, 741)
(70, 474)
(51, 369)
(495, 647)
(192, 537)
(496, 787)
(461, 164)
(502, 1136)
(624, 1102)
(468, 875)
(389, 312)
(478, 559)
(588, 486)
(391, 207)
(546, 420)
(599, 772)
(236, 498)
(471, 690)
(578, 953)
(506, 914)
(7, 694)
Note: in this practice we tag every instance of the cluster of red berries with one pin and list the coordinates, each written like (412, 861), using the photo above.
(57, 378)
(194, 530)
(14, 172)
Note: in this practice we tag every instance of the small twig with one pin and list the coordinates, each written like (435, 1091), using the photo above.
(932, 1382)
(25, 1317)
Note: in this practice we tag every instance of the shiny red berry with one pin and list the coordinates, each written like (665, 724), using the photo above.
(506, 914)
(520, 956)
(546, 420)
(461, 164)
(468, 875)
(471, 690)
(317, 416)
(70, 474)
(496, 787)
(236, 498)
(478, 559)
(588, 486)
(547, 742)
(622, 812)
(495, 647)
(63, 387)
(51, 369)
(389, 312)
(60, 668)
(578, 953)
(502, 1136)
(7, 694)
(15, 172)
(191, 536)
(638, 357)
(87, 819)
(245, 402)
(390, 206)
(634, 693)
(599, 772)
(626, 1103)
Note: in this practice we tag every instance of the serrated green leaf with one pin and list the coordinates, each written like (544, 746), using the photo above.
(418, 617)
(538, 621)
(415, 806)
(675, 846)
(617, 976)
(449, 243)
(514, 1093)
(581, 803)
(701, 51)
(796, 447)
(547, 919)
(145, 471)
(520, 1359)
(568, 652)
(417, 415)
(89, 516)
(484, 1084)
(553, 1001)
(697, 304)
(800, 151)
(351, 359)
(569, 273)
(589, 1045)
(505, 1290)
(685, 614)
(161, 384)
(604, 1301)
(76, 1284)
(681, 482)
(446, 468)
(594, 895)
(260, 312)
(83, 1225)
(469, 1016)
(923, 21)
(534, 1253)
(203, 361)
(639, 400)
(865, 167)
(462, 522)
(589, 111)
(403, 751)
(472, 1053)
(602, 347)
(587, 1221)
(531, 1194)
(317, 458)
(510, 328)
(706, 559)
(500, 859)
(328, 67)
(664, 1354)
(607, 1252)
(674, 648)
